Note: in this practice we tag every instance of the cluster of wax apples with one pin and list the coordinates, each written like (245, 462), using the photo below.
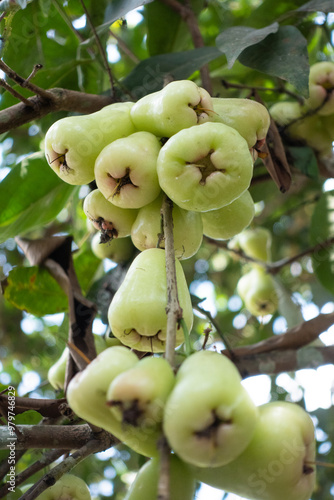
(216, 433)
(313, 121)
(179, 141)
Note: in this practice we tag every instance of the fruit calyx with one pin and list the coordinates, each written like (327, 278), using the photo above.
(121, 182)
(205, 166)
(60, 158)
(211, 431)
(131, 413)
(107, 229)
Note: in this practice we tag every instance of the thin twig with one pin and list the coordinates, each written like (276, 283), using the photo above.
(99, 45)
(44, 94)
(252, 88)
(122, 45)
(14, 93)
(36, 68)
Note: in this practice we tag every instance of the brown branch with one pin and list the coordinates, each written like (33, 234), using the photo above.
(14, 93)
(50, 408)
(23, 82)
(36, 68)
(59, 100)
(187, 14)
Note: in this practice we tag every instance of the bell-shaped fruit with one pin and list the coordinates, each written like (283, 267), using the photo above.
(146, 231)
(87, 396)
(256, 243)
(181, 104)
(209, 416)
(126, 170)
(283, 113)
(110, 220)
(137, 313)
(230, 220)
(145, 486)
(137, 397)
(72, 144)
(250, 118)
(68, 487)
(258, 291)
(279, 461)
(321, 87)
(118, 250)
(205, 168)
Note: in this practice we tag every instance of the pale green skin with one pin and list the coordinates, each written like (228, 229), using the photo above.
(230, 220)
(87, 396)
(68, 487)
(271, 467)
(134, 157)
(207, 385)
(145, 485)
(81, 138)
(250, 118)
(181, 104)
(258, 291)
(147, 386)
(224, 151)
(118, 250)
(321, 78)
(137, 313)
(188, 229)
(284, 112)
(108, 217)
(256, 243)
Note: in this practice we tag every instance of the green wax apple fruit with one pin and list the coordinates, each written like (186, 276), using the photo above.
(279, 461)
(206, 167)
(118, 250)
(283, 113)
(230, 220)
(146, 231)
(68, 487)
(145, 485)
(181, 104)
(87, 396)
(126, 170)
(110, 220)
(137, 397)
(72, 144)
(258, 291)
(321, 88)
(256, 243)
(137, 313)
(209, 417)
(250, 118)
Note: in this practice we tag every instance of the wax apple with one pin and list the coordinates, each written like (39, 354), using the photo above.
(118, 250)
(87, 396)
(321, 87)
(137, 397)
(181, 104)
(250, 118)
(72, 144)
(110, 220)
(279, 461)
(230, 220)
(258, 291)
(256, 243)
(209, 417)
(126, 170)
(137, 313)
(205, 168)
(146, 231)
(68, 487)
(145, 485)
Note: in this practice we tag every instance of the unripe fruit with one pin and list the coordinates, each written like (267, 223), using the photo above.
(118, 250)
(205, 168)
(279, 461)
(256, 243)
(72, 144)
(68, 487)
(209, 417)
(137, 397)
(179, 105)
(137, 313)
(250, 118)
(146, 231)
(126, 170)
(87, 396)
(230, 220)
(258, 291)
(321, 87)
(111, 221)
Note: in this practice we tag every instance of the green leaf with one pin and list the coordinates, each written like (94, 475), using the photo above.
(29, 417)
(305, 160)
(282, 54)
(322, 228)
(34, 290)
(31, 195)
(148, 76)
(233, 41)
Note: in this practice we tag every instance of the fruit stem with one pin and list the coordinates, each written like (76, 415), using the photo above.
(187, 343)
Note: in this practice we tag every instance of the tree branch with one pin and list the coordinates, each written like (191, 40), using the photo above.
(14, 93)
(58, 100)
